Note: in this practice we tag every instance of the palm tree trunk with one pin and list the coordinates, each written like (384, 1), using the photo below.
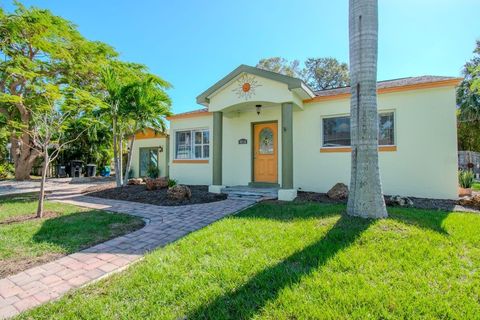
(120, 157)
(115, 153)
(129, 160)
(366, 196)
(41, 195)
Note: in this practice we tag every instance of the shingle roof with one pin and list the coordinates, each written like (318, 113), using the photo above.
(193, 112)
(387, 84)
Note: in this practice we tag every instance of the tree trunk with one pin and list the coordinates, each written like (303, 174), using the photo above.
(23, 156)
(41, 195)
(115, 153)
(129, 161)
(366, 196)
(120, 158)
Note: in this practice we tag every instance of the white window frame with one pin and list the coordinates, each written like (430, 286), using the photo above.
(341, 115)
(394, 127)
(193, 144)
(383, 111)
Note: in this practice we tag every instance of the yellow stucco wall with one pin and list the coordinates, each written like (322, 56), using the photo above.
(147, 143)
(425, 163)
(267, 91)
(237, 158)
(191, 173)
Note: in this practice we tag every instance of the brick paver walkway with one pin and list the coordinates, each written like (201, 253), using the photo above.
(47, 282)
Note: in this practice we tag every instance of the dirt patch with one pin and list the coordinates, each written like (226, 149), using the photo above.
(14, 266)
(27, 217)
(139, 193)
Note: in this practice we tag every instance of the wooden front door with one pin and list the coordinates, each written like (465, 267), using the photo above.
(265, 152)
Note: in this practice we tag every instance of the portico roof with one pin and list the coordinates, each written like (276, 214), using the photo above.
(291, 82)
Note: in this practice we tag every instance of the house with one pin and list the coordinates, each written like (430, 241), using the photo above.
(261, 128)
(149, 149)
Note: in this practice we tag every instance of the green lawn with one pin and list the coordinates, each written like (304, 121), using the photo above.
(26, 243)
(476, 186)
(298, 261)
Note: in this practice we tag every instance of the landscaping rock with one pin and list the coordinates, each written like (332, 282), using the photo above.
(158, 183)
(179, 192)
(399, 201)
(473, 201)
(338, 192)
(134, 181)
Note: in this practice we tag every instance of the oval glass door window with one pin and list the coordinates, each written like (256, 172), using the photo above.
(266, 141)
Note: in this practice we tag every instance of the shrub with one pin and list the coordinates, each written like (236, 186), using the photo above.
(172, 183)
(153, 171)
(6, 170)
(466, 178)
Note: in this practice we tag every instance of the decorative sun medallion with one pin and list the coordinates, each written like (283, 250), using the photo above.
(245, 86)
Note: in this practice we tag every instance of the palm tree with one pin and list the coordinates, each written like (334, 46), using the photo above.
(146, 105)
(366, 196)
(113, 96)
(133, 96)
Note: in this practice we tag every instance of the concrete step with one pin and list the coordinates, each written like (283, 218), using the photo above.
(247, 193)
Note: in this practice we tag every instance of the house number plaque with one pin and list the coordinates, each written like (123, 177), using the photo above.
(242, 141)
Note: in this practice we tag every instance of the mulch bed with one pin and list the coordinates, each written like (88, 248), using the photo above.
(419, 203)
(27, 217)
(13, 266)
(139, 193)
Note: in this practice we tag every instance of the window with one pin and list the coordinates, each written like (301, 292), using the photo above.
(386, 129)
(266, 141)
(336, 130)
(148, 158)
(192, 144)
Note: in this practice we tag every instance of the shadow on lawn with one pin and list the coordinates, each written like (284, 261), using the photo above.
(247, 300)
(18, 198)
(425, 219)
(81, 230)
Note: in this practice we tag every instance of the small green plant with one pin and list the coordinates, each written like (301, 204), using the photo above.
(153, 171)
(466, 178)
(172, 183)
(6, 170)
(131, 173)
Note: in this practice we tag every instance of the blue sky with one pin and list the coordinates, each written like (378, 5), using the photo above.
(192, 44)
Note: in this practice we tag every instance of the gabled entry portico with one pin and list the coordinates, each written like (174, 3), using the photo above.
(252, 136)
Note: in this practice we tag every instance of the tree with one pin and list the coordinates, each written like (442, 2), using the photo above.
(472, 71)
(366, 196)
(146, 105)
(468, 135)
(3, 139)
(95, 145)
(468, 100)
(47, 127)
(282, 66)
(318, 73)
(325, 73)
(125, 83)
(40, 51)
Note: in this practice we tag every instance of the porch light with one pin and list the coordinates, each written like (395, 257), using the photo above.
(259, 108)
